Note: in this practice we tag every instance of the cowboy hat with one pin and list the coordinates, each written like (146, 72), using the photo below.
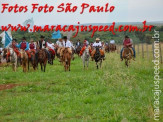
(42, 36)
(98, 39)
(23, 38)
(65, 37)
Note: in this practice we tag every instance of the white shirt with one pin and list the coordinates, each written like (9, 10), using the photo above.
(60, 44)
(97, 44)
(112, 42)
(50, 45)
(67, 44)
(1, 49)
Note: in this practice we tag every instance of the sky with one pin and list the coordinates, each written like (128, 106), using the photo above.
(125, 11)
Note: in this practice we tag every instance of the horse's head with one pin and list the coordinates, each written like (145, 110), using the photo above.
(4, 52)
(127, 53)
(86, 51)
(97, 49)
(65, 50)
(22, 54)
(10, 50)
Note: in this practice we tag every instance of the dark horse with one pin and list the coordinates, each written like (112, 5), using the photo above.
(52, 57)
(112, 47)
(78, 49)
(56, 52)
(42, 58)
(98, 57)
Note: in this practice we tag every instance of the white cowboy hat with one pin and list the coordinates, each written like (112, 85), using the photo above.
(98, 39)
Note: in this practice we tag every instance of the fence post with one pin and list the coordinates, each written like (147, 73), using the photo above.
(142, 50)
(138, 48)
(147, 51)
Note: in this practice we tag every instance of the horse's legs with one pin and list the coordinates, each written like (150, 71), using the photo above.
(28, 65)
(44, 67)
(84, 63)
(100, 63)
(97, 65)
(87, 63)
(69, 65)
(41, 66)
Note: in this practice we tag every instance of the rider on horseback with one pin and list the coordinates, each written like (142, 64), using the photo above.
(59, 45)
(85, 44)
(42, 44)
(13, 45)
(32, 46)
(25, 46)
(66, 44)
(78, 43)
(98, 44)
(51, 46)
(127, 42)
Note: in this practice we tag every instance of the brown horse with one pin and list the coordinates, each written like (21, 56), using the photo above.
(24, 60)
(112, 47)
(66, 59)
(107, 49)
(42, 59)
(32, 60)
(127, 55)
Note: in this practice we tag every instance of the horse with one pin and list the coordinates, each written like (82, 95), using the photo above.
(32, 60)
(73, 52)
(112, 47)
(42, 58)
(98, 57)
(52, 56)
(78, 49)
(107, 49)
(85, 57)
(4, 54)
(56, 51)
(127, 55)
(66, 59)
(24, 60)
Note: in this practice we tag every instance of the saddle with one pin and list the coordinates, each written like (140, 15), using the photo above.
(131, 50)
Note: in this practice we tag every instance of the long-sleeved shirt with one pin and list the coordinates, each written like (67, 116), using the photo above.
(59, 43)
(67, 44)
(97, 44)
(23, 45)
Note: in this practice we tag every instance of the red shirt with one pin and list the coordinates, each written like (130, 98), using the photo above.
(23, 45)
(126, 42)
(32, 46)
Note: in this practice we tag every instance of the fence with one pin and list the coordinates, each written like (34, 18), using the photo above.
(145, 51)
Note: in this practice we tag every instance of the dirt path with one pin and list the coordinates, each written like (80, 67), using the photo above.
(8, 86)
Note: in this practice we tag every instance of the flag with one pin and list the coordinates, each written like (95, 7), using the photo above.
(56, 35)
(30, 22)
(8, 40)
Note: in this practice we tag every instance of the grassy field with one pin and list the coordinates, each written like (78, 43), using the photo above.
(113, 93)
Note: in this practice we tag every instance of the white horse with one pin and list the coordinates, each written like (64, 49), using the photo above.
(13, 58)
(85, 57)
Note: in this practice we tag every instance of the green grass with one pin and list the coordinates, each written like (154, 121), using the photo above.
(113, 93)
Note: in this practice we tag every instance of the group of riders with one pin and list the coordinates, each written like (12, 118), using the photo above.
(63, 43)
